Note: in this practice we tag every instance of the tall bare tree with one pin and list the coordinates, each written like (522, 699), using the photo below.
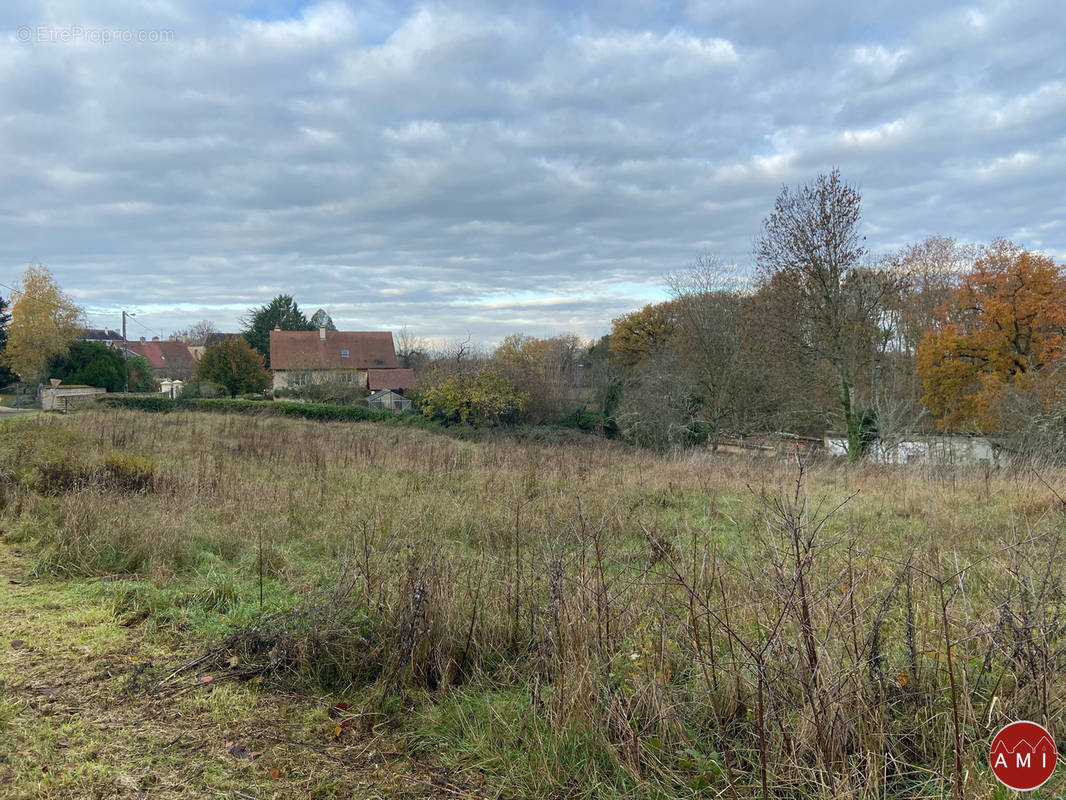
(812, 240)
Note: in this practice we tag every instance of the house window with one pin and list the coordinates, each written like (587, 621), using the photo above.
(344, 353)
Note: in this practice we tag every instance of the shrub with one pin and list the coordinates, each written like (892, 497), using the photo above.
(235, 366)
(313, 411)
(591, 421)
(486, 399)
(198, 389)
(126, 472)
(54, 474)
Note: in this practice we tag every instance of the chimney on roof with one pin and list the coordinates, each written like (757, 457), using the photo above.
(277, 326)
(155, 338)
(142, 340)
(322, 333)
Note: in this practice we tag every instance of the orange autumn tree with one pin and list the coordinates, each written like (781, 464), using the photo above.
(1000, 331)
(640, 334)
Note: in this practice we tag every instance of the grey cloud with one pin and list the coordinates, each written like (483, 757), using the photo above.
(481, 167)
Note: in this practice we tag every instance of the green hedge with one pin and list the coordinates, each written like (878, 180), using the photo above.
(544, 434)
(160, 405)
(315, 411)
(319, 411)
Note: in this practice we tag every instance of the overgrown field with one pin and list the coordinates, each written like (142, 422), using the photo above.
(575, 620)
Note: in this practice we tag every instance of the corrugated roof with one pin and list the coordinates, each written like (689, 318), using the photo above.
(390, 379)
(308, 350)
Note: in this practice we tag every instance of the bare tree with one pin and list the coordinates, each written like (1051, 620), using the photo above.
(925, 276)
(710, 319)
(658, 407)
(459, 358)
(928, 273)
(812, 240)
(411, 351)
(896, 390)
(546, 369)
(201, 329)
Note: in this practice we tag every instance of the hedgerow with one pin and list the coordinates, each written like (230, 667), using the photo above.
(324, 412)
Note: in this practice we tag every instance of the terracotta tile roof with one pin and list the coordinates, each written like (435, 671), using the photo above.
(163, 355)
(308, 350)
(390, 379)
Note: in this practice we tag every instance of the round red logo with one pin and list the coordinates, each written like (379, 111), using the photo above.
(1023, 755)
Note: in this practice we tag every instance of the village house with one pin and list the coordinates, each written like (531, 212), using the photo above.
(361, 358)
(169, 360)
(104, 335)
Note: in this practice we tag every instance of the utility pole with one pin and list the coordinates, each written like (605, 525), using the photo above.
(125, 353)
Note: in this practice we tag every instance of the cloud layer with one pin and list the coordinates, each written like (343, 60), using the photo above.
(488, 167)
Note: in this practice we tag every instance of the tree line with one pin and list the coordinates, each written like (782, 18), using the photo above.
(937, 336)
(821, 335)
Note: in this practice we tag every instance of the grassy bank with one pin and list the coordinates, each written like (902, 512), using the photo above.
(577, 620)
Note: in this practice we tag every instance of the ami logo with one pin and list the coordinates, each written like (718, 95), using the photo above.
(1023, 755)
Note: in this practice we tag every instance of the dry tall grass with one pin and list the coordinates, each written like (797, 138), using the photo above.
(588, 620)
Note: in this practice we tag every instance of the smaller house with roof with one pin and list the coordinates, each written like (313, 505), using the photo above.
(361, 358)
(105, 335)
(169, 360)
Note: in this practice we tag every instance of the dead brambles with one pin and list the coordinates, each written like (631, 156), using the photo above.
(588, 619)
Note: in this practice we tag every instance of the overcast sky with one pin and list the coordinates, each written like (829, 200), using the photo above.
(491, 167)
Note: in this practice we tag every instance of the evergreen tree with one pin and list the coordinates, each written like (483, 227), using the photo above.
(281, 312)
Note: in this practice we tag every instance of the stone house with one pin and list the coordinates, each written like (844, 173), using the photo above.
(361, 358)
